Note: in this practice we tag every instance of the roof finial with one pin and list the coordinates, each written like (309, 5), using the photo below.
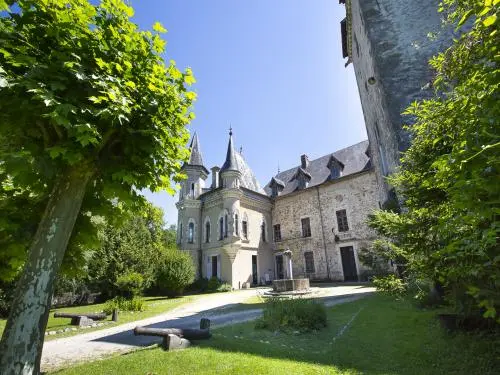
(241, 150)
(230, 130)
(278, 167)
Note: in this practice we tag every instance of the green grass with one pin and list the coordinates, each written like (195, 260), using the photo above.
(153, 306)
(386, 337)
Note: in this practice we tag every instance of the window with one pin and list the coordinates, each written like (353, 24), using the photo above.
(277, 233)
(236, 225)
(335, 171)
(306, 227)
(342, 221)
(221, 228)
(263, 232)
(207, 232)
(225, 225)
(309, 259)
(191, 232)
(244, 228)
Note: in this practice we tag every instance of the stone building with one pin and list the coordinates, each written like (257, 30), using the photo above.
(237, 231)
(390, 43)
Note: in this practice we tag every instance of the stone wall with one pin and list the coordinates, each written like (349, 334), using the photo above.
(357, 194)
(390, 53)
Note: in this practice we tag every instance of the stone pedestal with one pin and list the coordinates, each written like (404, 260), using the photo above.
(289, 285)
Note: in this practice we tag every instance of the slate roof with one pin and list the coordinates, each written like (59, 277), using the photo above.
(195, 158)
(354, 158)
(235, 162)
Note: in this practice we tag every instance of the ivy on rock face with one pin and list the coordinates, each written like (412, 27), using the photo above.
(90, 114)
(450, 175)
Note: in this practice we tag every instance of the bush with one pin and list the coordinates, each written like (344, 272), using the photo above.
(124, 304)
(390, 285)
(210, 285)
(130, 284)
(295, 314)
(174, 273)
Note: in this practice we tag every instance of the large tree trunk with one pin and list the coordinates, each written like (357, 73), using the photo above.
(22, 340)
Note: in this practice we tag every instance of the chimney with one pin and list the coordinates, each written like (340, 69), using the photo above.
(215, 177)
(304, 161)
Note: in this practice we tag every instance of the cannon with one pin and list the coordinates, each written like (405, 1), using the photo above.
(81, 320)
(177, 338)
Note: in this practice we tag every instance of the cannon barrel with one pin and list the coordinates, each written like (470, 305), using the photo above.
(97, 316)
(192, 334)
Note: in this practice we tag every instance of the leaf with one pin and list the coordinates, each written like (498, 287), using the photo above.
(4, 6)
(55, 151)
(130, 84)
(158, 27)
(488, 21)
(464, 18)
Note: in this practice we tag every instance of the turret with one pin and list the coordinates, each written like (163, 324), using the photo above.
(230, 173)
(196, 172)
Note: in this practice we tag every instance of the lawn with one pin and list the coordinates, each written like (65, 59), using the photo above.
(153, 306)
(385, 337)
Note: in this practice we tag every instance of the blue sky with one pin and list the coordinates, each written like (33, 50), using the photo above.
(272, 69)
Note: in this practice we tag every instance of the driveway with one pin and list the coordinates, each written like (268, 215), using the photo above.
(119, 339)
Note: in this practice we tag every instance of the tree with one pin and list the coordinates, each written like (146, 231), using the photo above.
(134, 247)
(449, 228)
(88, 103)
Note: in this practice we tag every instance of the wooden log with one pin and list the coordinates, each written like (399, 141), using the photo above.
(174, 342)
(205, 323)
(192, 334)
(98, 316)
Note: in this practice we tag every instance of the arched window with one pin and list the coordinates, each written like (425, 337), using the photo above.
(244, 226)
(207, 232)
(191, 232)
(236, 225)
(225, 225)
(192, 190)
(221, 228)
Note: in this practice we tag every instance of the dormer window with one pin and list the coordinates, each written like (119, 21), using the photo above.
(276, 186)
(303, 177)
(336, 167)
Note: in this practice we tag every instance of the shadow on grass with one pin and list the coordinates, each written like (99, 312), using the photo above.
(374, 335)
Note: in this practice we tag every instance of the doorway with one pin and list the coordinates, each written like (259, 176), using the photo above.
(214, 266)
(279, 267)
(349, 263)
(255, 278)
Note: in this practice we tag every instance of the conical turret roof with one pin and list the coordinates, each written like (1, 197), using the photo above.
(195, 158)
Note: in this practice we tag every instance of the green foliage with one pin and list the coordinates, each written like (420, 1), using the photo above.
(449, 177)
(293, 314)
(390, 285)
(130, 284)
(175, 272)
(211, 285)
(135, 246)
(91, 91)
(124, 304)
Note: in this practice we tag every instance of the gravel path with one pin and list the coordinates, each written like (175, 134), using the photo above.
(119, 339)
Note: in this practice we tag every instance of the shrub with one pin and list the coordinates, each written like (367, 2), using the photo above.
(124, 304)
(294, 314)
(224, 287)
(130, 284)
(390, 285)
(175, 272)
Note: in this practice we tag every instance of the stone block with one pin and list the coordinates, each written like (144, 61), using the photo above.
(81, 321)
(174, 342)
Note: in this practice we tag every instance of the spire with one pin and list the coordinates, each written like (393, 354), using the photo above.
(195, 158)
(230, 164)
